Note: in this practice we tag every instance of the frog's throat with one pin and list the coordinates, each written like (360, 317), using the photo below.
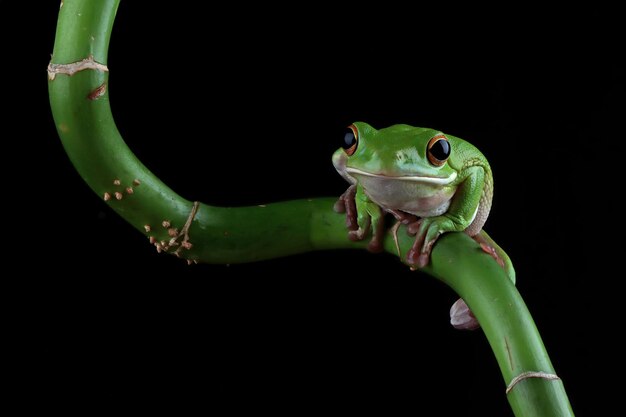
(412, 178)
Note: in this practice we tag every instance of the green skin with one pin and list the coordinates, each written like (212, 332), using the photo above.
(391, 171)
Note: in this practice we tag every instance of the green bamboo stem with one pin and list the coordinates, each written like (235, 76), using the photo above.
(80, 105)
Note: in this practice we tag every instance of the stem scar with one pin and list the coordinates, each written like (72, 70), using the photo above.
(508, 351)
(98, 92)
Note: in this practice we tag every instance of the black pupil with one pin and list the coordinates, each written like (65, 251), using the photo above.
(440, 150)
(349, 139)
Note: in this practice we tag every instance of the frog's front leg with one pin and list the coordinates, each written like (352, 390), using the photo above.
(362, 215)
(426, 231)
(468, 211)
(346, 204)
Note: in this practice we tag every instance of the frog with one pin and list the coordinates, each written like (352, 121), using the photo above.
(428, 180)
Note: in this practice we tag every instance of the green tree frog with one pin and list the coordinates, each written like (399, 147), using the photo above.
(430, 181)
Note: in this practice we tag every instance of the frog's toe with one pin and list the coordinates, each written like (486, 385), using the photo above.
(417, 259)
(339, 206)
(376, 244)
(356, 235)
(361, 231)
(461, 317)
(414, 227)
(412, 257)
(423, 259)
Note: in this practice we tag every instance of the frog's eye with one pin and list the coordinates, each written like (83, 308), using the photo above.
(350, 140)
(438, 150)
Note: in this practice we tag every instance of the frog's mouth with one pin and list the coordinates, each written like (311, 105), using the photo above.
(412, 178)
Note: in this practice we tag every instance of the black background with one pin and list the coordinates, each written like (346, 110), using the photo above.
(245, 105)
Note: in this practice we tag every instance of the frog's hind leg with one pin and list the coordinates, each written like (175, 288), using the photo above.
(488, 245)
(461, 316)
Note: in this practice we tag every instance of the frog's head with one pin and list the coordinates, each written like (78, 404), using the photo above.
(398, 152)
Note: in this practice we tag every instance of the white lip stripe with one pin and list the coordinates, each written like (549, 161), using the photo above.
(413, 178)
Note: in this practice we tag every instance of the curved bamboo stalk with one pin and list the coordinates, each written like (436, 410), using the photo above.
(78, 83)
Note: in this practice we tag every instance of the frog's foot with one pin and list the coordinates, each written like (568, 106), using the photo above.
(347, 204)
(427, 230)
(486, 247)
(415, 256)
(461, 317)
(376, 244)
(361, 216)
(425, 237)
(360, 232)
